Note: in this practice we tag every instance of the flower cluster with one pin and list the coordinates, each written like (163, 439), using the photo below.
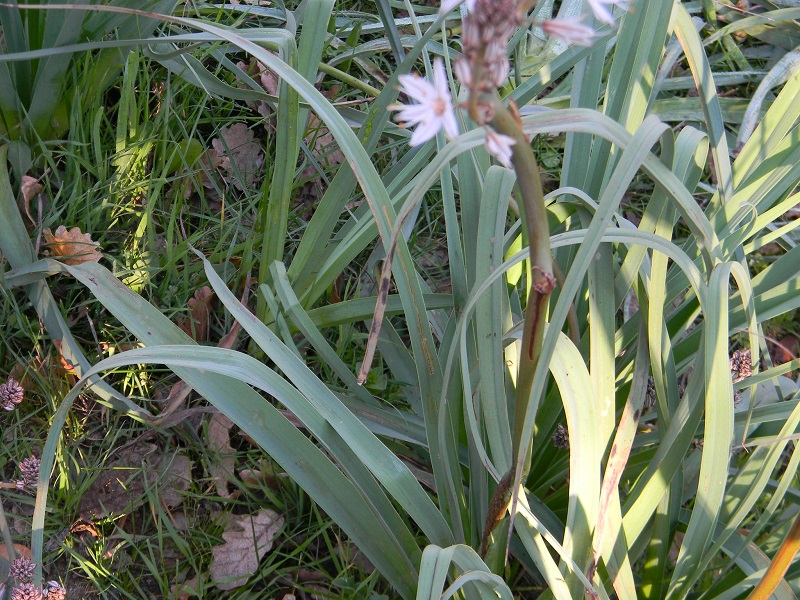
(574, 31)
(11, 394)
(28, 591)
(29, 469)
(741, 365)
(55, 591)
(22, 570)
(434, 108)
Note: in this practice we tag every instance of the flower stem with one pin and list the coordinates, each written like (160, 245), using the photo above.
(534, 215)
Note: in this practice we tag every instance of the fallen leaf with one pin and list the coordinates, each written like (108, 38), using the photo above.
(219, 442)
(265, 475)
(19, 550)
(197, 324)
(241, 156)
(176, 478)
(28, 190)
(71, 247)
(189, 589)
(247, 539)
(268, 81)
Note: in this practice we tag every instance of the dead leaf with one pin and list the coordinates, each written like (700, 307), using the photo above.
(268, 81)
(66, 366)
(241, 156)
(265, 475)
(28, 190)
(71, 247)
(197, 324)
(189, 589)
(19, 550)
(176, 478)
(247, 539)
(323, 146)
(219, 442)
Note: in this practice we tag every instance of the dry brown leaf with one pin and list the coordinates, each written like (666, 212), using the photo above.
(19, 550)
(241, 156)
(188, 590)
(28, 190)
(247, 539)
(197, 324)
(268, 81)
(71, 247)
(176, 478)
(219, 442)
(265, 475)
(323, 145)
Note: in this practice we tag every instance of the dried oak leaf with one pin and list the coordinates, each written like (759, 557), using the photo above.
(242, 157)
(247, 539)
(71, 247)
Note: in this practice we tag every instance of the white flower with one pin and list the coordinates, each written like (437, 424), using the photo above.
(499, 146)
(448, 5)
(434, 110)
(601, 12)
(571, 31)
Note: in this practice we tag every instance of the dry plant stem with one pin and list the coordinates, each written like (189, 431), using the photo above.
(780, 564)
(541, 286)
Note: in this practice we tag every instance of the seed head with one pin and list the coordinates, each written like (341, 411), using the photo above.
(26, 591)
(561, 437)
(29, 469)
(741, 365)
(22, 569)
(11, 394)
(55, 591)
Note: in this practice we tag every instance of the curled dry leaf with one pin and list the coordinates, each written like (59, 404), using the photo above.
(197, 324)
(264, 475)
(247, 539)
(71, 247)
(28, 190)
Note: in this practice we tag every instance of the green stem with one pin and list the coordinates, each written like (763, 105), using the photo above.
(534, 215)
